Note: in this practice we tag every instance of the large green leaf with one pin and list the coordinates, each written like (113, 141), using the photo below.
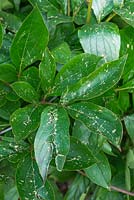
(52, 133)
(98, 119)
(79, 187)
(30, 41)
(79, 156)
(100, 172)
(25, 91)
(127, 12)
(108, 195)
(102, 8)
(95, 40)
(29, 183)
(25, 120)
(96, 83)
(78, 67)
(8, 73)
(10, 148)
(47, 69)
(1, 34)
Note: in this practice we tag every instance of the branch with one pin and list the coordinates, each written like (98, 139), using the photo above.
(122, 191)
(89, 10)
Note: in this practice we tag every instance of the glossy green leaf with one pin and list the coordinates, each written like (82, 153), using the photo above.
(129, 123)
(12, 194)
(102, 9)
(79, 156)
(10, 148)
(29, 42)
(47, 69)
(78, 67)
(127, 12)
(86, 136)
(25, 91)
(29, 183)
(96, 83)
(62, 53)
(95, 40)
(77, 188)
(25, 120)
(1, 34)
(31, 75)
(100, 172)
(52, 133)
(98, 119)
(8, 73)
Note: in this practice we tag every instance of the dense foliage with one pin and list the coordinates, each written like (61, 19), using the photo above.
(66, 99)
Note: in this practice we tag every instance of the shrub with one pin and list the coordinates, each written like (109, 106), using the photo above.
(66, 99)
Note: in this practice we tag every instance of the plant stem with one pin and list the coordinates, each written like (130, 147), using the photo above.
(89, 11)
(5, 130)
(122, 191)
(110, 17)
(68, 7)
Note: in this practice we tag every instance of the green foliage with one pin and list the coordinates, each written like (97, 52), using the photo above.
(66, 99)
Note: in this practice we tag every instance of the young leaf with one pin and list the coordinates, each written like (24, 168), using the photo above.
(100, 172)
(98, 119)
(7, 73)
(78, 67)
(79, 156)
(29, 182)
(95, 40)
(52, 132)
(102, 9)
(47, 69)
(97, 83)
(127, 12)
(30, 41)
(25, 120)
(1, 34)
(25, 91)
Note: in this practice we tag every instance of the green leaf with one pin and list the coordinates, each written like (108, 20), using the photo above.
(98, 119)
(96, 83)
(62, 53)
(95, 40)
(12, 194)
(25, 120)
(25, 91)
(47, 69)
(1, 35)
(78, 67)
(129, 123)
(31, 75)
(30, 41)
(79, 187)
(79, 156)
(108, 195)
(29, 182)
(118, 3)
(102, 9)
(11, 21)
(127, 12)
(52, 133)
(10, 148)
(100, 172)
(8, 73)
